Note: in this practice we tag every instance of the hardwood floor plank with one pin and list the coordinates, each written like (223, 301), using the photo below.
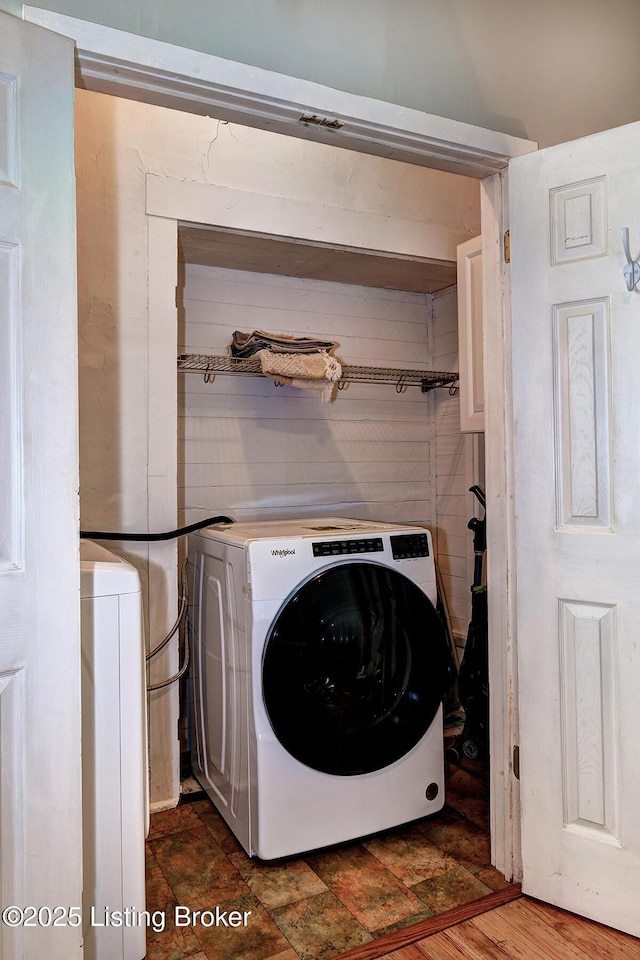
(476, 944)
(542, 933)
(412, 952)
(440, 947)
(513, 941)
(601, 943)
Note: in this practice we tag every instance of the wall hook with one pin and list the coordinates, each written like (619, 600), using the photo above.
(631, 269)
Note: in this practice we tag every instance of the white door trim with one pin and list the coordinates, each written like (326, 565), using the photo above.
(499, 436)
(162, 509)
(126, 65)
(122, 64)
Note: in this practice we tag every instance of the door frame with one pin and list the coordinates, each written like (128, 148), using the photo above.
(134, 67)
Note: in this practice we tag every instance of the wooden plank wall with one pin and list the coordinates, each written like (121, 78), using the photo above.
(256, 451)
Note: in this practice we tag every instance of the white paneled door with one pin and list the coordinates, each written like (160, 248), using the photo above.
(576, 381)
(40, 813)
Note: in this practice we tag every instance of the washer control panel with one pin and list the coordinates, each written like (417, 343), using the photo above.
(407, 546)
(346, 548)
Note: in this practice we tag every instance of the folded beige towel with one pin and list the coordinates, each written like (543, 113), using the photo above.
(310, 371)
(247, 344)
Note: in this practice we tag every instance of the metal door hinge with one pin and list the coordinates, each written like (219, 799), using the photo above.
(507, 247)
(516, 762)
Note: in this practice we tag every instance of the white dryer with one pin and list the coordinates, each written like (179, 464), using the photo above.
(318, 671)
(115, 796)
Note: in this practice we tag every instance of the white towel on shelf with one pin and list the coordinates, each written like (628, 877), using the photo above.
(309, 371)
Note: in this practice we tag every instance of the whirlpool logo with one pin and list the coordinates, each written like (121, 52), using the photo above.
(282, 553)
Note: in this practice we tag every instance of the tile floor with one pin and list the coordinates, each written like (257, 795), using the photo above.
(316, 906)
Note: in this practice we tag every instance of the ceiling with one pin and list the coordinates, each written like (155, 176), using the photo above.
(291, 257)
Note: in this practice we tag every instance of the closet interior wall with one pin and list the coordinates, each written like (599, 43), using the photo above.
(254, 451)
(259, 451)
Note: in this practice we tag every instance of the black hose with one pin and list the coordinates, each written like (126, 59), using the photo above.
(169, 535)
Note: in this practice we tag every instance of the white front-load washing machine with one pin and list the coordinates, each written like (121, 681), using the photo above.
(318, 669)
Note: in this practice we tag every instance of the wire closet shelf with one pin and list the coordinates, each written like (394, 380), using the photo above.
(400, 377)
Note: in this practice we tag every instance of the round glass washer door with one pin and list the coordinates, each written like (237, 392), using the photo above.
(354, 669)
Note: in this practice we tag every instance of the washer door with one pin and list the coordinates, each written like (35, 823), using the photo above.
(354, 669)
